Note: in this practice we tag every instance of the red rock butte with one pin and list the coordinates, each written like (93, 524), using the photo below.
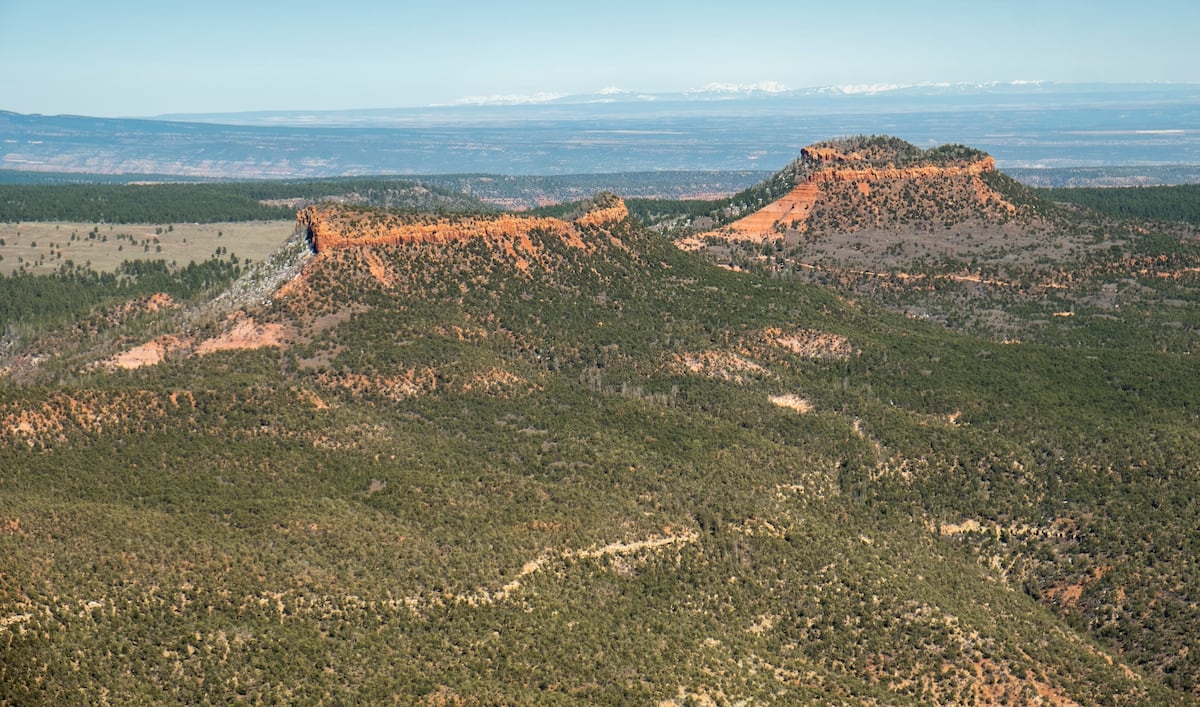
(333, 227)
(821, 165)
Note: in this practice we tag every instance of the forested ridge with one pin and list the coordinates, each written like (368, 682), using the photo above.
(1157, 203)
(210, 202)
(595, 468)
(37, 300)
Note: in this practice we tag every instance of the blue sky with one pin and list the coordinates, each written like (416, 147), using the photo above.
(124, 58)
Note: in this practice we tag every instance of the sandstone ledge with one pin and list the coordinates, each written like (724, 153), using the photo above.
(333, 227)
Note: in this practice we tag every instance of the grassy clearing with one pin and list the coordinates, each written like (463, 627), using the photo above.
(42, 247)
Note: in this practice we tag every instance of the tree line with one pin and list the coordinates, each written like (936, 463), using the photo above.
(210, 202)
(1169, 203)
(74, 290)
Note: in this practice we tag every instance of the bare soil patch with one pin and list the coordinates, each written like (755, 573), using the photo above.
(719, 364)
(149, 353)
(811, 343)
(245, 334)
(792, 402)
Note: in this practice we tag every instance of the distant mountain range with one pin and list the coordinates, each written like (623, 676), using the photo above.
(720, 127)
(766, 98)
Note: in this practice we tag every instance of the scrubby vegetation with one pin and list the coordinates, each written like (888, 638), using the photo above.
(980, 253)
(615, 475)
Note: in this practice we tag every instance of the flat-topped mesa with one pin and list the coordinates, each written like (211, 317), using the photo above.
(883, 158)
(974, 168)
(847, 183)
(334, 228)
(330, 228)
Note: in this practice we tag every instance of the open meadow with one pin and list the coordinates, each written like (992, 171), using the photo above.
(43, 247)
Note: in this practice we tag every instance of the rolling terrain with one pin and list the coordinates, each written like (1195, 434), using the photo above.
(469, 457)
(941, 234)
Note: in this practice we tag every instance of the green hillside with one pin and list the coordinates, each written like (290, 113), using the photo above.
(978, 253)
(611, 473)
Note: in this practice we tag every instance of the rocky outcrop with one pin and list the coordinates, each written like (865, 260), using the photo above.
(245, 333)
(331, 228)
(825, 171)
(793, 208)
(148, 354)
(239, 332)
(334, 227)
(975, 168)
(612, 211)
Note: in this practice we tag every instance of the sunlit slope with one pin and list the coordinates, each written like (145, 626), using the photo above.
(561, 461)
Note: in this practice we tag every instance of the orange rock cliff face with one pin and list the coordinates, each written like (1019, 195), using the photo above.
(828, 165)
(986, 164)
(331, 227)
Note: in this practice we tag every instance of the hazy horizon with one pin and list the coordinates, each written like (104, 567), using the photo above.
(138, 58)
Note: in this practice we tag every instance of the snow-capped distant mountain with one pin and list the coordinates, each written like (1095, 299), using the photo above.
(739, 89)
(1021, 123)
(759, 98)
